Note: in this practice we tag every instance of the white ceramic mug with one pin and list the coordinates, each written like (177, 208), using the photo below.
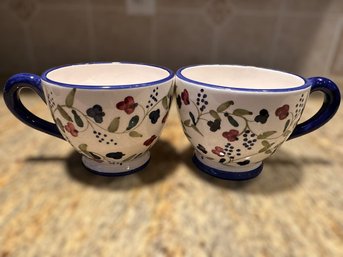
(111, 113)
(237, 116)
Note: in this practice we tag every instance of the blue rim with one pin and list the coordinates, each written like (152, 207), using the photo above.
(119, 174)
(136, 85)
(227, 174)
(182, 77)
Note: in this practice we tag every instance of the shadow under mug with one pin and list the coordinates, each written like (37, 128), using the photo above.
(237, 116)
(111, 113)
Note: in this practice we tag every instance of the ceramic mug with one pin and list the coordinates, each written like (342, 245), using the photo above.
(237, 116)
(111, 113)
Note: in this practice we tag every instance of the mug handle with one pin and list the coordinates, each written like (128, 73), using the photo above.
(332, 99)
(12, 90)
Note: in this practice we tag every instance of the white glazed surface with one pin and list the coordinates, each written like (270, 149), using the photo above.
(111, 126)
(226, 119)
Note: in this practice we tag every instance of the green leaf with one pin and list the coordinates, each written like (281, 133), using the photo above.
(241, 112)
(64, 114)
(232, 121)
(77, 119)
(83, 147)
(165, 102)
(266, 135)
(70, 98)
(114, 125)
(187, 122)
(192, 118)
(215, 115)
(263, 149)
(286, 125)
(265, 143)
(196, 129)
(131, 157)
(224, 106)
(59, 124)
(133, 122)
(135, 134)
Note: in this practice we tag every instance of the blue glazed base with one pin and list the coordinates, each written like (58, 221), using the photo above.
(227, 174)
(117, 174)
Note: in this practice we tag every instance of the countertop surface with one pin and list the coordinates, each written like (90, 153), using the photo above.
(51, 206)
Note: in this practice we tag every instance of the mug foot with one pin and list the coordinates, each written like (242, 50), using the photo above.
(113, 170)
(227, 172)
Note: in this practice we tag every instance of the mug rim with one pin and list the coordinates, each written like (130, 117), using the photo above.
(97, 87)
(179, 74)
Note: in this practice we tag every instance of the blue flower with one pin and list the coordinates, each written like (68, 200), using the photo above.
(154, 116)
(96, 113)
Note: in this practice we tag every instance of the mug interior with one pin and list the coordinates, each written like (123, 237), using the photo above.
(113, 74)
(240, 77)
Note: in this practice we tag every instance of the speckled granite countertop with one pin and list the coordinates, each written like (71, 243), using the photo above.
(51, 206)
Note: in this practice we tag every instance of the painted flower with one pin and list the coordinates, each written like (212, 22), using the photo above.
(185, 97)
(202, 148)
(282, 112)
(128, 105)
(214, 125)
(115, 155)
(154, 116)
(96, 113)
(178, 101)
(71, 129)
(246, 162)
(150, 140)
(218, 151)
(262, 117)
(231, 135)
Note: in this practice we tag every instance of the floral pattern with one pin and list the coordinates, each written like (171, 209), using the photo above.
(71, 129)
(185, 97)
(96, 113)
(73, 121)
(128, 105)
(282, 112)
(245, 132)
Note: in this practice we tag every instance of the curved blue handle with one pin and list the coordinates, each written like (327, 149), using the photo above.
(332, 99)
(14, 104)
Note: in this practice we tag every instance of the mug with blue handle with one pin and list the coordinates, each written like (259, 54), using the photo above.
(237, 116)
(111, 113)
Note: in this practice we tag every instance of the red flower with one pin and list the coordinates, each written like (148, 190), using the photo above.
(165, 117)
(231, 135)
(128, 105)
(218, 151)
(150, 140)
(185, 97)
(71, 129)
(282, 112)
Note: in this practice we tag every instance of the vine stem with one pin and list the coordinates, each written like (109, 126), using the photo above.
(92, 124)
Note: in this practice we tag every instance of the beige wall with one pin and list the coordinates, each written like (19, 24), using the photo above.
(303, 36)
